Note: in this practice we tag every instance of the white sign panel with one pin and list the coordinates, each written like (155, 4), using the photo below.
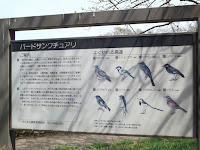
(126, 90)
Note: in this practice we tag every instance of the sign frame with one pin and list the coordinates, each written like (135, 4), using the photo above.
(152, 40)
(133, 16)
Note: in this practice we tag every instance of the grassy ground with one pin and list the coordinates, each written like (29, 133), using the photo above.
(143, 144)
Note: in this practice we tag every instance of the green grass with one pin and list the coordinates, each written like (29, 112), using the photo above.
(142, 144)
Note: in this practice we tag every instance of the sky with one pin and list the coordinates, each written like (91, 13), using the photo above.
(24, 8)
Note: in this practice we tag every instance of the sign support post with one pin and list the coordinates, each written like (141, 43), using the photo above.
(198, 85)
(6, 135)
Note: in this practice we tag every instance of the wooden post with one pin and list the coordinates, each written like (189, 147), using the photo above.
(5, 138)
(198, 85)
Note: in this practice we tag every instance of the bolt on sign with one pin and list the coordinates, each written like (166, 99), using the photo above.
(130, 85)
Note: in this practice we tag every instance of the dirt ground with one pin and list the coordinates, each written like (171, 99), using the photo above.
(74, 139)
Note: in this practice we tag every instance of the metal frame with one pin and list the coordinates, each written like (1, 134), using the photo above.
(133, 16)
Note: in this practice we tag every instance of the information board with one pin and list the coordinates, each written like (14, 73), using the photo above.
(130, 85)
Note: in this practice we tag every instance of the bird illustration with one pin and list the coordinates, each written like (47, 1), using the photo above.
(101, 74)
(101, 102)
(146, 71)
(173, 71)
(121, 97)
(123, 72)
(145, 105)
(171, 103)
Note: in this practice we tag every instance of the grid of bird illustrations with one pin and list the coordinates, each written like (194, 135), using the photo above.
(130, 90)
(149, 91)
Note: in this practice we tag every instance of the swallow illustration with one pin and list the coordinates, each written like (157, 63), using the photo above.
(121, 97)
(173, 71)
(101, 74)
(102, 103)
(146, 71)
(171, 103)
(145, 105)
(123, 72)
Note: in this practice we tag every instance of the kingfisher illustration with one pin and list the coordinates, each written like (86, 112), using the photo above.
(173, 71)
(123, 72)
(125, 111)
(146, 71)
(145, 105)
(101, 74)
(102, 103)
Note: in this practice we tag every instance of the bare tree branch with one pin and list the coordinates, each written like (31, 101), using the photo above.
(172, 27)
(132, 29)
(151, 3)
(155, 27)
(134, 1)
(193, 1)
(140, 3)
(113, 4)
(167, 2)
(121, 4)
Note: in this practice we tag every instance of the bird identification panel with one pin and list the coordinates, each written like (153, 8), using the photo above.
(129, 85)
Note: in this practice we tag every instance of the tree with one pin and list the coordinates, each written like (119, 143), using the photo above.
(123, 31)
(104, 5)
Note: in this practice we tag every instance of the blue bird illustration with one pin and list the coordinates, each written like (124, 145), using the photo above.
(101, 74)
(101, 102)
(173, 71)
(145, 105)
(146, 71)
(171, 103)
(121, 97)
(123, 72)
